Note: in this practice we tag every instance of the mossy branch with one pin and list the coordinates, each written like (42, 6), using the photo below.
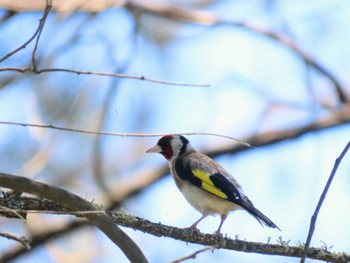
(25, 204)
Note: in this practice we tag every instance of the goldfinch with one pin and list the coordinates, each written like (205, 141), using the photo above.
(207, 186)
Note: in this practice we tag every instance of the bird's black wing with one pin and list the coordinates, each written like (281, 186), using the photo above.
(205, 173)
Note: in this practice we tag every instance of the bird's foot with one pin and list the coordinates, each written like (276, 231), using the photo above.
(218, 234)
(194, 228)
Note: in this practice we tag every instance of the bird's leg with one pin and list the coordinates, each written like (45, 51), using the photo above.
(194, 225)
(217, 232)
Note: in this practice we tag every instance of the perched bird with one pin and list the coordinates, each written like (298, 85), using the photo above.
(206, 185)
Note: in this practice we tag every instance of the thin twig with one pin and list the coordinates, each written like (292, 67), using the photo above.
(21, 240)
(193, 255)
(80, 72)
(320, 202)
(16, 212)
(47, 9)
(106, 74)
(49, 126)
(40, 30)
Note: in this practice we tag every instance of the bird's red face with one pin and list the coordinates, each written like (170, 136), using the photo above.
(171, 146)
(164, 147)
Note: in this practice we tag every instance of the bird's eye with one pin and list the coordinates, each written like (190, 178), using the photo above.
(164, 142)
(167, 151)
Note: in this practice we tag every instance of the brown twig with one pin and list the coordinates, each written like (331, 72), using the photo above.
(36, 33)
(21, 240)
(320, 202)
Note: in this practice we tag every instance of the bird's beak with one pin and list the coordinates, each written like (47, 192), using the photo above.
(154, 149)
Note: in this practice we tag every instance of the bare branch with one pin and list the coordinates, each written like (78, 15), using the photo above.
(320, 202)
(76, 203)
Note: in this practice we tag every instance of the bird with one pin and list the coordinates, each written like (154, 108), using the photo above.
(205, 184)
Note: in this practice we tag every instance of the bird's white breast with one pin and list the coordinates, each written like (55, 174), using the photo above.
(204, 202)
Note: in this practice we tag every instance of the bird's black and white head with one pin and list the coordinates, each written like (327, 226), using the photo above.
(171, 147)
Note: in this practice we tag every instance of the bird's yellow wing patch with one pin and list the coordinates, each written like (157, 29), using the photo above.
(207, 184)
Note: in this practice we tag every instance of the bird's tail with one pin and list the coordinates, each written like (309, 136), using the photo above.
(262, 219)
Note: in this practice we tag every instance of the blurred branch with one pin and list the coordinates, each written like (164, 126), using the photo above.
(189, 235)
(273, 137)
(320, 202)
(97, 156)
(175, 12)
(98, 153)
(75, 203)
